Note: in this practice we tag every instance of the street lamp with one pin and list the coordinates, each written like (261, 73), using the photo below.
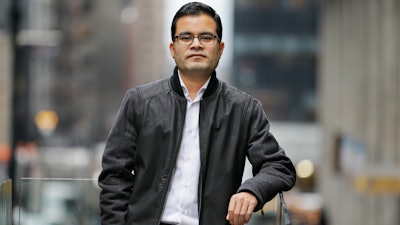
(46, 121)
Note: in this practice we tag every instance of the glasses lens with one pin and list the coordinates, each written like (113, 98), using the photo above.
(207, 39)
(185, 39)
(204, 39)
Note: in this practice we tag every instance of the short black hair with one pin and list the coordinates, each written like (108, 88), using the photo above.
(196, 8)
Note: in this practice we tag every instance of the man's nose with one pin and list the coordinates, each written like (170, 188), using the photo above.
(196, 42)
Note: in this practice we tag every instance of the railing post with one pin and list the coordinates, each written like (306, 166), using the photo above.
(282, 213)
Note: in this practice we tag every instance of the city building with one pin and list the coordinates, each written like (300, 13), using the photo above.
(359, 111)
(6, 58)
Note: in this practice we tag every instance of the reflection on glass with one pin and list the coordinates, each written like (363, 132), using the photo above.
(6, 202)
(58, 201)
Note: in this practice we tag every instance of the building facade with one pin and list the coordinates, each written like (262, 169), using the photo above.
(359, 90)
(144, 37)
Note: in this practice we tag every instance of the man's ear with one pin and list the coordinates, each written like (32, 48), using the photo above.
(221, 48)
(171, 49)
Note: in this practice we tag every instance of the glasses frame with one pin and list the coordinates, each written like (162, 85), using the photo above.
(215, 37)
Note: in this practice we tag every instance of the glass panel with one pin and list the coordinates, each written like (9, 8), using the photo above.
(50, 201)
(6, 202)
(58, 201)
(268, 215)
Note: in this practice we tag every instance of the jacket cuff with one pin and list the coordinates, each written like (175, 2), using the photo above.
(260, 202)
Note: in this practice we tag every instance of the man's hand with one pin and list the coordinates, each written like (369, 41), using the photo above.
(241, 207)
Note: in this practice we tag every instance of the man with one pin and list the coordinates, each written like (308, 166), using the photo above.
(177, 150)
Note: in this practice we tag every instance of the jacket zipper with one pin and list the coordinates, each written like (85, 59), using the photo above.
(175, 156)
(202, 151)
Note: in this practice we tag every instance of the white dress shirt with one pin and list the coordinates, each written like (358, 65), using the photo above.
(181, 205)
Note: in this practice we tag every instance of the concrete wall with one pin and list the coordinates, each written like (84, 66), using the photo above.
(359, 88)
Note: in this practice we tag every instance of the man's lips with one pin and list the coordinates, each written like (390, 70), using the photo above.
(196, 56)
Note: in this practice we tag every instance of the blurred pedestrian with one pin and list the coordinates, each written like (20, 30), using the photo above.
(176, 152)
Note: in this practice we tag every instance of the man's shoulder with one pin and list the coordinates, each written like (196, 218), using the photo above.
(235, 93)
(152, 88)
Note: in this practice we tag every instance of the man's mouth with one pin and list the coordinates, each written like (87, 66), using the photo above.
(196, 56)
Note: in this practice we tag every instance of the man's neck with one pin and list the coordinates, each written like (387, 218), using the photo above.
(193, 83)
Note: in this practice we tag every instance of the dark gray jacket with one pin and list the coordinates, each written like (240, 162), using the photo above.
(143, 144)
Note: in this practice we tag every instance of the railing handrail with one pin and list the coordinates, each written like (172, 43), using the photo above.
(57, 178)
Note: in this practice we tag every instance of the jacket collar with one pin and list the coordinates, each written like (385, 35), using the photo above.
(211, 88)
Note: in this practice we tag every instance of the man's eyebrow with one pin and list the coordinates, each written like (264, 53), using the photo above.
(190, 33)
(207, 33)
(185, 33)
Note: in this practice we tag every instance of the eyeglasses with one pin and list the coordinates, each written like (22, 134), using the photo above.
(204, 39)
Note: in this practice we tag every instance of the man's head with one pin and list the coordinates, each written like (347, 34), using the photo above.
(196, 40)
(196, 8)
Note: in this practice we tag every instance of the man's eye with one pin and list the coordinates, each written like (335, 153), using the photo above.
(207, 37)
(185, 38)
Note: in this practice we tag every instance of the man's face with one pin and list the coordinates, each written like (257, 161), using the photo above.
(196, 58)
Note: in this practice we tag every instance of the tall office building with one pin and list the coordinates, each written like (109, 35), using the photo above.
(275, 55)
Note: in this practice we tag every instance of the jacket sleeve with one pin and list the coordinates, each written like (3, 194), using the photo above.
(273, 171)
(116, 179)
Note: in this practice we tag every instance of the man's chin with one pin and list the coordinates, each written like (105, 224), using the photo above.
(198, 68)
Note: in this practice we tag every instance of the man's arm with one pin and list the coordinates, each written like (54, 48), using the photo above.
(116, 179)
(273, 171)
